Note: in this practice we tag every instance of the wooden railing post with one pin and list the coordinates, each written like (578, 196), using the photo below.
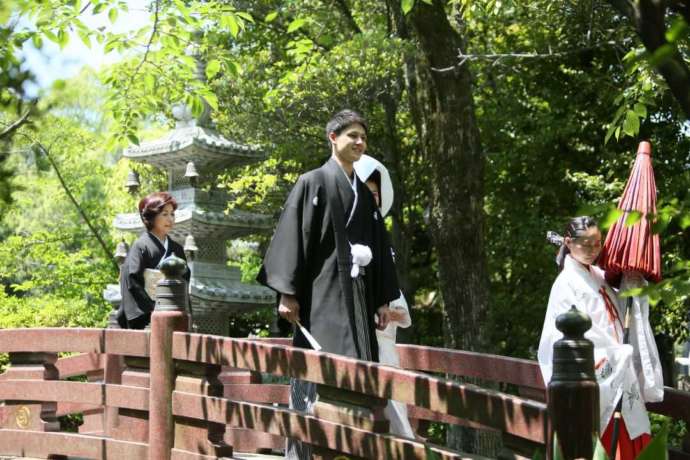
(573, 393)
(112, 375)
(169, 316)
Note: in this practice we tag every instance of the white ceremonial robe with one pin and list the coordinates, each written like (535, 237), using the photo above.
(395, 411)
(617, 365)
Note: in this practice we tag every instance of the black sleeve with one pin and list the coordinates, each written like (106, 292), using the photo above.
(284, 268)
(135, 264)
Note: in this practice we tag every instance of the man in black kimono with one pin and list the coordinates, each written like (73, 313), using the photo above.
(330, 260)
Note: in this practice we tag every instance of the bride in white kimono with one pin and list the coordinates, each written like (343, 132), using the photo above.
(377, 179)
(631, 372)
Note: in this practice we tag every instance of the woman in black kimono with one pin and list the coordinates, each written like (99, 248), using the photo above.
(157, 212)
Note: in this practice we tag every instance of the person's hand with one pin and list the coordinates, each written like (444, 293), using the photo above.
(635, 278)
(384, 317)
(397, 314)
(288, 307)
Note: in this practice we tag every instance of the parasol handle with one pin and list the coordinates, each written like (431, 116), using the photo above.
(617, 412)
(626, 324)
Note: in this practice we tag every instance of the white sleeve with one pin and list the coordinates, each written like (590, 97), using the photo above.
(558, 303)
(646, 356)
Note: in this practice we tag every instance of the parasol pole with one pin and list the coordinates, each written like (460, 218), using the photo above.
(617, 412)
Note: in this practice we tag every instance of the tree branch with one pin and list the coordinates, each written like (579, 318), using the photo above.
(496, 57)
(648, 16)
(106, 250)
(15, 125)
(154, 32)
(345, 11)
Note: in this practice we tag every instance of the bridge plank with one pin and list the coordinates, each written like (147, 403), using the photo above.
(495, 368)
(289, 423)
(512, 414)
(676, 404)
(71, 366)
(52, 390)
(127, 342)
(52, 340)
(42, 444)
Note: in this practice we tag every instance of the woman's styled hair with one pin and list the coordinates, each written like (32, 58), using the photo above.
(576, 227)
(152, 205)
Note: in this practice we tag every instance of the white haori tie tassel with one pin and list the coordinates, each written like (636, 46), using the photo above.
(361, 257)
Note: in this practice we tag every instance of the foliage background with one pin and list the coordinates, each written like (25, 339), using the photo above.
(562, 92)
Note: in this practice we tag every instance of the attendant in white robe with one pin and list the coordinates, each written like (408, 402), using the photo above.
(620, 368)
(376, 177)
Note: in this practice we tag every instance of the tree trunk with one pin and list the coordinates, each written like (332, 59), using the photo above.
(451, 143)
(441, 102)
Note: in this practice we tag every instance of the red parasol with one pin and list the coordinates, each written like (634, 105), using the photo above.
(635, 247)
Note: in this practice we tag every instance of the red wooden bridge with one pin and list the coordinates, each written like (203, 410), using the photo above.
(169, 394)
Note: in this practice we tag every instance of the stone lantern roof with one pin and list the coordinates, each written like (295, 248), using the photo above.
(205, 146)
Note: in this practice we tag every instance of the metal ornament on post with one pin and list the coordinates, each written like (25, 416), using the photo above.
(573, 393)
(121, 252)
(132, 183)
(191, 173)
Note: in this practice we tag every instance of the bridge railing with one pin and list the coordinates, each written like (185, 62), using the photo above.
(163, 394)
(32, 389)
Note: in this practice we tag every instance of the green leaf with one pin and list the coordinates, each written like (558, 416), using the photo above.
(685, 221)
(212, 68)
(661, 54)
(407, 6)
(149, 81)
(678, 29)
(59, 85)
(632, 218)
(431, 454)
(631, 125)
(37, 41)
(98, 8)
(246, 16)
(232, 67)
(296, 24)
(611, 217)
(657, 448)
(609, 133)
(112, 15)
(85, 38)
(211, 99)
(133, 138)
(659, 225)
(640, 109)
(50, 36)
(63, 38)
(270, 17)
(229, 21)
(557, 451)
(599, 450)
(538, 455)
